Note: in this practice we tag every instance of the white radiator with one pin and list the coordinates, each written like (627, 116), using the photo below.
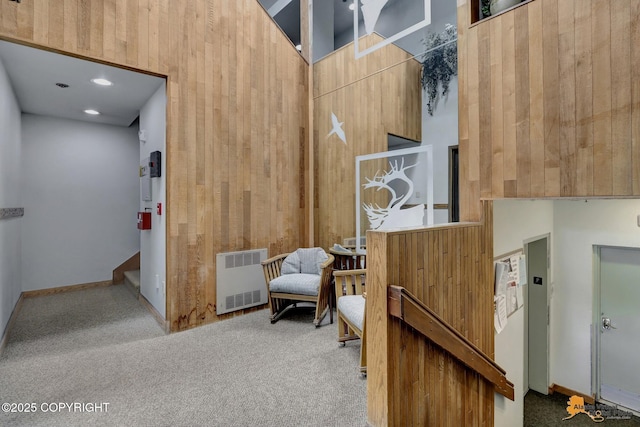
(240, 280)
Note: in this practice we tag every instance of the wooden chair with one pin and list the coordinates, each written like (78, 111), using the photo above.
(345, 259)
(286, 290)
(351, 309)
(348, 260)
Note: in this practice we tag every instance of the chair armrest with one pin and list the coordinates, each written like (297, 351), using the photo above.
(359, 271)
(272, 267)
(328, 262)
(273, 259)
(325, 276)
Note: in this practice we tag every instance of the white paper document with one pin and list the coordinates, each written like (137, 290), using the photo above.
(522, 270)
(500, 315)
(502, 278)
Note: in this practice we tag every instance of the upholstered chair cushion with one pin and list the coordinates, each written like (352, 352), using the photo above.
(311, 259)
(301, 284)
(291, 264)
(352, 308)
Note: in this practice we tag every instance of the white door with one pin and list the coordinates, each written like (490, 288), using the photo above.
(619, 327)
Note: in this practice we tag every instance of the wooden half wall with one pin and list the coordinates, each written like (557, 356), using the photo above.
(374, 96)
(549, 101)
(410, 380)
(237, 122)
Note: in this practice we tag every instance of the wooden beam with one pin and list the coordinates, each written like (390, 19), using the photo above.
(405, 306)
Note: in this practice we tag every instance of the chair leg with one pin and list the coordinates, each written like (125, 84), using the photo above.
(319, 318)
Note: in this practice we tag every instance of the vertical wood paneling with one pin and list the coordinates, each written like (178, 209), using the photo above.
(232, 79)
(70, 25)
(484, 110)
(564, 126)
(470, 148)
(566, 53)
(551, 82)
(621, 96)
(355, 94)
(508, 103)
(25, 21)
(406, 371)
(635, 95)
(584, 101)
(536, 99)
(522, 83)
(497, 131)
(601, 45)
(463, 100)
(108, 29)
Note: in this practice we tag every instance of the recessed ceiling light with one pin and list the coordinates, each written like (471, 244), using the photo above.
(92, 112)
(102, 82)
(352, 6)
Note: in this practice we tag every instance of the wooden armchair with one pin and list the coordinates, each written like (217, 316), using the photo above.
(351, 309)
(303, 275)
(348, 260)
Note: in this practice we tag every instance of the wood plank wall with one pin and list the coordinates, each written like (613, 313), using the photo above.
(374, 96)
(237, 122)
(549, 101)
(411, 381)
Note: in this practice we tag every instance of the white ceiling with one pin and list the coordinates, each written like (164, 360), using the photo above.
(34, 73)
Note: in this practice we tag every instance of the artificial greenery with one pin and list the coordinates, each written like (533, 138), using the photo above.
(439, 64)
(485, 8)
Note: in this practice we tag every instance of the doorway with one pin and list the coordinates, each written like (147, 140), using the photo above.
(616, 323)
(454, 190)
(536, 342)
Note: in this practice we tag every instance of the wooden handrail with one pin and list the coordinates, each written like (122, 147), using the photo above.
(405, 306)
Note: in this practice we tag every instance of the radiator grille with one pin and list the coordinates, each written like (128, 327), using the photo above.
(240, 280)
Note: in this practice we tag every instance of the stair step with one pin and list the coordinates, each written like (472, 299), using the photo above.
(132, 280)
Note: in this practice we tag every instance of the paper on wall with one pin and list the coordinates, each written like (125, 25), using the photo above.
(502, 278)
(522, 270)
(511, 296)
(519, 296)
(515, 265)
(500, 314)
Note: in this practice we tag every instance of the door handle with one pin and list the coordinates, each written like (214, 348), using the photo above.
(606, 324)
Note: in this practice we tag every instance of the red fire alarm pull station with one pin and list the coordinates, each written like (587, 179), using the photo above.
(144, 220)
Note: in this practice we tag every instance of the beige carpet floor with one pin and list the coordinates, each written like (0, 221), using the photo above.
(100, 346)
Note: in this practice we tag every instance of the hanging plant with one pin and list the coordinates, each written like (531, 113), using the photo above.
(439, 64)
(485, 8)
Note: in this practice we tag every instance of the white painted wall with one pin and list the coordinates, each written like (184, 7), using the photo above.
(80, 192)
(515, 221)
(10, 197)
(153, 242)
(441, 131)
(578, 226)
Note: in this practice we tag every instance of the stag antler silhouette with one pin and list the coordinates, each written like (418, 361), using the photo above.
(377, 214)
